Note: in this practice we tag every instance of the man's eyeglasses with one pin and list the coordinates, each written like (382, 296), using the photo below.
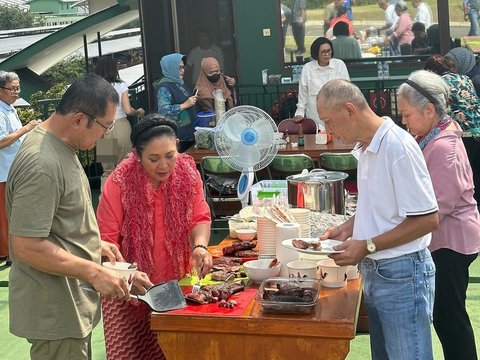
(107, 129)
(12, 90)
(326, 52)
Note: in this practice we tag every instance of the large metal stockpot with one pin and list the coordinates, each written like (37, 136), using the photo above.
(318, 190)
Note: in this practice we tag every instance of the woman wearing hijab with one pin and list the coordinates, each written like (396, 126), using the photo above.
(209, 80)
(466, 64)
(175, 101)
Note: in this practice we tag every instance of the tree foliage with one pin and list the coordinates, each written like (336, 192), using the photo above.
(43, 104)
(15, 18)
(66, 71)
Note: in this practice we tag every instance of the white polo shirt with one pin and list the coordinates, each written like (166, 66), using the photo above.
(393, 183)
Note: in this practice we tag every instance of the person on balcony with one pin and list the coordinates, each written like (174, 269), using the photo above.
(391, 17)
(424, 13)
(210, 80)
(120, 135)
(175, 100)
(299, 18)
(12, 134)
(341, 17)
(154, 209)
(345, 46)
(470, 13)
(423, 102)
(315, 74)
(420, 42)
(401, 39)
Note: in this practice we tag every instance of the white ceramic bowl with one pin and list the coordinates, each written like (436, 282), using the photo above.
(122, 269)
(258, 270)
(246, 234)
(353, 272)
(301, 269)
(332, 275)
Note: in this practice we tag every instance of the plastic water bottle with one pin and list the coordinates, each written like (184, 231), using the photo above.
(380, 73)
(301, 137)
(295, 74)
(386, 70)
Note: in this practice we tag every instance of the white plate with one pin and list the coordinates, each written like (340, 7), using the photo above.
(327, 246)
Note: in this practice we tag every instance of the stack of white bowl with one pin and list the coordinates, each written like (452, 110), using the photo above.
(266, 236)
(302, 216)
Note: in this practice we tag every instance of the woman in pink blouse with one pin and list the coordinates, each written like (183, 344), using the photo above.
(153, 208)
(402, 35)
(423, 103)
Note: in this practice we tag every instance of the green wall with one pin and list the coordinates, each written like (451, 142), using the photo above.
(255, 51)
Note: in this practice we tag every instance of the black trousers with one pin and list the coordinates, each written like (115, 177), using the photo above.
(450, 317)
(298, 31)
(473, 151)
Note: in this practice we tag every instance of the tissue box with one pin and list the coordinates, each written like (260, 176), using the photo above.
(323, 138)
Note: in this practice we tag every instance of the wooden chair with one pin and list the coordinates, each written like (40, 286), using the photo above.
(309, 126)
(219, 180)
(285, 165)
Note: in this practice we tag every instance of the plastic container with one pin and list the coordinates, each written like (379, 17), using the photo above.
(268, 188)
(206, 119)
(308, 286)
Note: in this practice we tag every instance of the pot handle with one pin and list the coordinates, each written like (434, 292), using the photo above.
(318, 171)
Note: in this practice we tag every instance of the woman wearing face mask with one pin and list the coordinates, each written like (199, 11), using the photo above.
(211, 79)
(175, 101)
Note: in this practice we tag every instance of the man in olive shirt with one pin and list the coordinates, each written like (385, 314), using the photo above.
(55, 243)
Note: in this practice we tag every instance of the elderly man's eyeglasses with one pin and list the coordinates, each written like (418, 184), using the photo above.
(326, 52)
(12, 90)
(107, 129)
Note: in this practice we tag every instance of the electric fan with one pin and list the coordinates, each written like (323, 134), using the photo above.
(245, 139)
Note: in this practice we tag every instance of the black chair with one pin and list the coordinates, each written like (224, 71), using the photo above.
(220, 183)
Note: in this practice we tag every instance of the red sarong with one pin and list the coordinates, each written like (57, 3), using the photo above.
(127, 331)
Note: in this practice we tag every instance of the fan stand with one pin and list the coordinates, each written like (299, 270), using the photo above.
(243, 186)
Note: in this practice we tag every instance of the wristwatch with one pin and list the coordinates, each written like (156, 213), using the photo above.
(371, 247)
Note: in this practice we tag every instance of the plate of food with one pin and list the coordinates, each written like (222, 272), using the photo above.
(313, 246)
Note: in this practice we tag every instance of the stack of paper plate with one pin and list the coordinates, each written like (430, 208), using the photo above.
(266, 236)
(302, 216)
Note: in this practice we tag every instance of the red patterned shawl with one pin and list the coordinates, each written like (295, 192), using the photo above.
(137, 196)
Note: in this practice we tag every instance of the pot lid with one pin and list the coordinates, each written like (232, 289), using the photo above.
(315, 177)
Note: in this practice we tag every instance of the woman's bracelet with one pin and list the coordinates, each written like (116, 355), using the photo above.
(200, 246)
